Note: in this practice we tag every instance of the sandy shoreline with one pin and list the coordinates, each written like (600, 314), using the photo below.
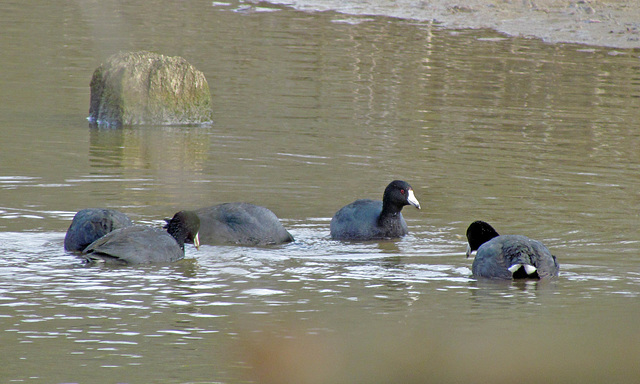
(610, 23)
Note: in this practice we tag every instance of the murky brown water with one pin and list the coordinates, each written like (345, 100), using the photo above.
(313, 110)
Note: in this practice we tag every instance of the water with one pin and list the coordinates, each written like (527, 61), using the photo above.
(314, 110)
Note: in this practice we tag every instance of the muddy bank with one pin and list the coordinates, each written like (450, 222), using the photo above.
(611, 23)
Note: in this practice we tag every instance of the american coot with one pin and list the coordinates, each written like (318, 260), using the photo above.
(373, 219)
(242, 224)
(508, 256)
(140, 244)
(88, 225)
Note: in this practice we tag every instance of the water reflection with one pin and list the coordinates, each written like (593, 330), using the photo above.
(106, 147)
(175, 148)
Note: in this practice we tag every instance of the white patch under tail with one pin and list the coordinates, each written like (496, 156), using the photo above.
(528, 268)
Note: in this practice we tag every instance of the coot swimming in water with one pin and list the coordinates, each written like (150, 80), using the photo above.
(88, 225)
(242, 224)
(508, 256)
(139, 244)
(367, 219)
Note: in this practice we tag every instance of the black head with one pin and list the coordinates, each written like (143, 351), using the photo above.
(478, 233)
(184, 226)
(398, 194)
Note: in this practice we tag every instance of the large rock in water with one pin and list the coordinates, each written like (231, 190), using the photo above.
(148, 88)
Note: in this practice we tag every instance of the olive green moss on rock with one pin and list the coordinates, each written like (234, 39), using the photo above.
(148, 88)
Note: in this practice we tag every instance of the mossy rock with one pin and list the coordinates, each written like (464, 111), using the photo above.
(148, 88)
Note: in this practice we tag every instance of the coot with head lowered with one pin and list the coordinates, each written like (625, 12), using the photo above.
(90, 224)
(241, 224)
(139, 244)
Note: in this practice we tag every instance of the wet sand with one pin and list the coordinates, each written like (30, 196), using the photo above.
(611, 23)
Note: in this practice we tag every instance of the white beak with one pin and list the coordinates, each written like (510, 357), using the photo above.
(196, 241)
(412, 199)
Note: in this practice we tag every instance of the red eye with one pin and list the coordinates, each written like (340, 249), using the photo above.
(402, 191)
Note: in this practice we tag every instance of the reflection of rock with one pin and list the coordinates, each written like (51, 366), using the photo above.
(146, 148)
(107, 147)
(145, 165)
(148, 88)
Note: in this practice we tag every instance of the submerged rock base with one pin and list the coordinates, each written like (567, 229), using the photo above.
(148, 88)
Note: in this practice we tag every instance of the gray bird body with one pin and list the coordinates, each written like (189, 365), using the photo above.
(141, 244)
(90, 224)
(135, 245)
(242, 224)
(512, 256)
